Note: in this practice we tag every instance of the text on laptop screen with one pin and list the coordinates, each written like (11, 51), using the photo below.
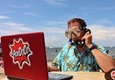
(20, 52)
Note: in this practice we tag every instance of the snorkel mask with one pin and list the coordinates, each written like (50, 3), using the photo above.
(75, 33)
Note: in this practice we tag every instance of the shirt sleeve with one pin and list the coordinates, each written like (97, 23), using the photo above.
(102, 49)
(58, 60)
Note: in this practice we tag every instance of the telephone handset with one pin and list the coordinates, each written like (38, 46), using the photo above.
(87, 30)
(81, 43)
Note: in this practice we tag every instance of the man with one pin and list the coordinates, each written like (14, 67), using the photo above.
(80, 54)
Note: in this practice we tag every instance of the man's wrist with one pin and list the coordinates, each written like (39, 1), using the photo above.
(92, 47)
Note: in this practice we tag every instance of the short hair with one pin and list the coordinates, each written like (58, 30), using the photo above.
(79, 20)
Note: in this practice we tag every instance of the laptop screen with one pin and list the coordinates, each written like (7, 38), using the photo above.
(24, 56)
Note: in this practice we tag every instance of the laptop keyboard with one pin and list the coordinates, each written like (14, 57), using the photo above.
(57, 76)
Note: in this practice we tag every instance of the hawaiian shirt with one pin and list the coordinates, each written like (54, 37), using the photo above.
(70, 59)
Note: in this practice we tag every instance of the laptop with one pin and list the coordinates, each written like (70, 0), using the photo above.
(24, 57)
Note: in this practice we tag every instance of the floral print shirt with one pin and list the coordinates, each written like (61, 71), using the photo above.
(70, 59)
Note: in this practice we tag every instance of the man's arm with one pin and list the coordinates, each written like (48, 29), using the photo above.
(104, 61)
(55, 65)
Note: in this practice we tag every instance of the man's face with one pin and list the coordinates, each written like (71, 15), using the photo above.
(77, 29)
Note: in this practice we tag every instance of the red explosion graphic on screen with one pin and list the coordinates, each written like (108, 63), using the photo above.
(20, 53)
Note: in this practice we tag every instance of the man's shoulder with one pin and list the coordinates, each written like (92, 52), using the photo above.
(67, 46)
(99, 46)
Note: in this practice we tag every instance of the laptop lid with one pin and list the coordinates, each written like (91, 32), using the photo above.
(24, 56)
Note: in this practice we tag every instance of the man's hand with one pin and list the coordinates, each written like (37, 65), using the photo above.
(49, 66)
(88, 39)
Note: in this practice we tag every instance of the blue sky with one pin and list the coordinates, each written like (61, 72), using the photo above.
(51, 16)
